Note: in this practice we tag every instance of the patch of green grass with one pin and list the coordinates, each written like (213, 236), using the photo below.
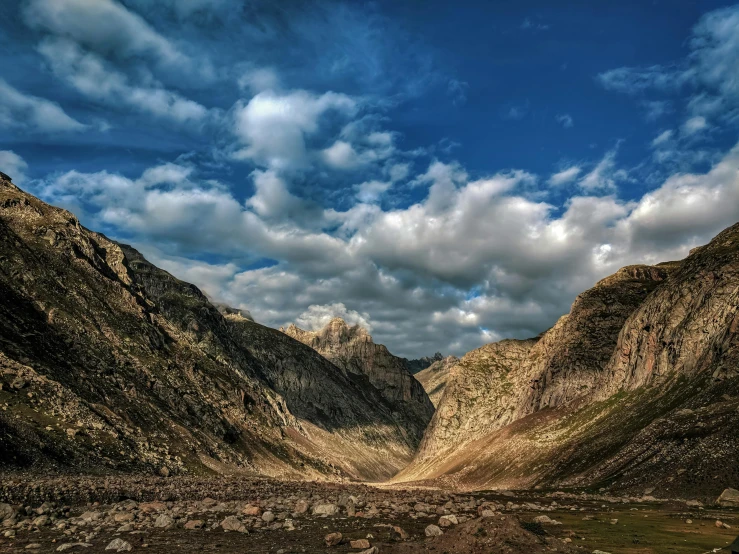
(644, 532)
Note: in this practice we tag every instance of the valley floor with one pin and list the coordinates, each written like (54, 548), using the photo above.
(187, 514)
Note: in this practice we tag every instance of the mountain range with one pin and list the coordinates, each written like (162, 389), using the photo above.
(108, 363)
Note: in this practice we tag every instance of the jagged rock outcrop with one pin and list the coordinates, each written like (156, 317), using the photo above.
(351, 348)
(110, 363)
(636, 387)
(419, 364)
(434, 377)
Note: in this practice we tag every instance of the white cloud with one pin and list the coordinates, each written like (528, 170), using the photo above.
(565, 176)
(371, 191)
(30, 113)
(104, 26)
(91, 76)
(272, 127)
(13, 165)
(258, 80)
(565, 120)
(663, 137)
(317, 317)
(603, 176)
(694, 125)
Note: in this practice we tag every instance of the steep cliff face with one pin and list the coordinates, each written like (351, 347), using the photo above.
(108, 362)
(435, 376)
(351, 348)
(635, 388)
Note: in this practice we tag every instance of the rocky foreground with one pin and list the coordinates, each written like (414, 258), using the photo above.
(123, 513)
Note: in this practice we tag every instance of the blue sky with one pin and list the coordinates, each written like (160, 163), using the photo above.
(447, 174)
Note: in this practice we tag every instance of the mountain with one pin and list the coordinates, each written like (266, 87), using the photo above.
(351, 348)
(435, 376)
(110, 363)
(418, 365)
(636, 389)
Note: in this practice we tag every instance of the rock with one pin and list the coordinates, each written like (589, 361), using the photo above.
(694, 503)
(360, 543)
(33, 546)
(89, 517)
(119, 545)
(325, 509)
(232, 523)
(729, 499)
(333, 539)
(399, 534)
(250, 510)
(448, 521)
(152, 507)
(600, 552)
(163, 521)
(164, 471)
(301, 506)
(70, 545)
(688, 521)
(433, 531)
(268, 517)
(123, 517)
(546, 520)
(41, 521)
(373, 550)
(487, 513)
(351, 348)
(614, 521)
(6, 511)
(194, 524)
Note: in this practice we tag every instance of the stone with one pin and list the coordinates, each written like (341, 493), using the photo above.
(268, 517)
(6, 511)
(232, 523)
(399, 534)
(119, 545)
(325, 509)
(41, 521)
(163, 521)
(373, 550)
(70, 545)
(614, 521)
(251, 510)
(333, 539)
(194, 524)
(360, 543)
(433, 531)
(729, 499)
(448, 521)
(301, 506)
(122, 517)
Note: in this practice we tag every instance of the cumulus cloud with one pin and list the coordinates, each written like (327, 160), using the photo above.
(273, 127)
(25, 112)
(317, 317)
(474, 260)
(13, 165)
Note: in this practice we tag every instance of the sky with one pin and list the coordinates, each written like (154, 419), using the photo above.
(446, 174)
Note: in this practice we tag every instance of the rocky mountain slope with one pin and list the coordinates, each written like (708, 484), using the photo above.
(434, 377)
(110, 363)
(352, 349)
(637, 388)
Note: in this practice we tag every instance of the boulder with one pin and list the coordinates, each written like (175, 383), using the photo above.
(333, 539)
(433, 531)
(729, 499)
